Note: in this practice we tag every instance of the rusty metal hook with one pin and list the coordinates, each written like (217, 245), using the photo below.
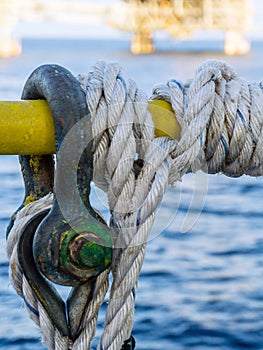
(68, 252)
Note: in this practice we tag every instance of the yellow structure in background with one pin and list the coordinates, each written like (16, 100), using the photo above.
(181, 18)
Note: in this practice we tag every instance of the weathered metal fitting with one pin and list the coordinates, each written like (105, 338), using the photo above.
(84, 253)
(72, 255)
(72, 243)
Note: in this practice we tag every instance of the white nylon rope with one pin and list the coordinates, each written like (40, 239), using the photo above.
(50, 335)
(221, 117)
(129, 134)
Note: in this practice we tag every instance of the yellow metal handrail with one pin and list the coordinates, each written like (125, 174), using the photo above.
(26, 127)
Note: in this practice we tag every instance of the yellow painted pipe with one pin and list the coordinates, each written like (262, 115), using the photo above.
(164, 119)
(26, 127)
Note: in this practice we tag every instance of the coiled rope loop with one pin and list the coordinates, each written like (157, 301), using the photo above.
(221, 119)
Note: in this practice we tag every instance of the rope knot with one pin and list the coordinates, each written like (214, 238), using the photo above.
(220, 116)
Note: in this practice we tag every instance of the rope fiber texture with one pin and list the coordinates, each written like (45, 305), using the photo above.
(221, 117)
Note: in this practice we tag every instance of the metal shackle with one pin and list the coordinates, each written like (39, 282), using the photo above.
(72, 244)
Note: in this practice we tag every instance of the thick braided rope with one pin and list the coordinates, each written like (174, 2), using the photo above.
(116, 149)
(221, 120)
(51, 337)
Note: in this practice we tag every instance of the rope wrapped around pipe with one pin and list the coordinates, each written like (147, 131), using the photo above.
(221, 119)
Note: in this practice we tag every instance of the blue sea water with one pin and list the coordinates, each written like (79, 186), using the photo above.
(200, 290)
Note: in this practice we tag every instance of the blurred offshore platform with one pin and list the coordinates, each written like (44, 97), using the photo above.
(180, 18)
